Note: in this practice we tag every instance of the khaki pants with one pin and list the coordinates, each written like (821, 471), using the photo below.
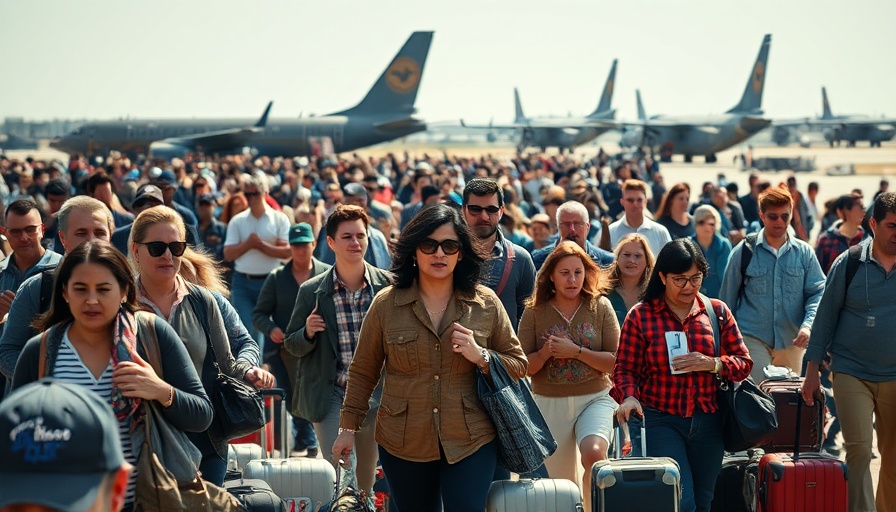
(857, 400)
(763, 355)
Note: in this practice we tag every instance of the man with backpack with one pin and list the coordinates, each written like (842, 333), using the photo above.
(81, 218)
(773, 284)
(856, 325)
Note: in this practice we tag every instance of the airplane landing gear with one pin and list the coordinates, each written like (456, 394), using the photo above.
(711, 158)
(688, 159)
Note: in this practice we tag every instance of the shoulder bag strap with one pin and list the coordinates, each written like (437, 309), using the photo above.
(714, 321)
(508, 250)
(42, 356)
(150, 341)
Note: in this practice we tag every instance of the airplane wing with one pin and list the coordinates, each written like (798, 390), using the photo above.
(227, 140)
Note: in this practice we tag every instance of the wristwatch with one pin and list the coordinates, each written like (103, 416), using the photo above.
(486, 357)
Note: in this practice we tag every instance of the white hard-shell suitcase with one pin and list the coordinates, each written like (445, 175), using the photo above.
(539, 495)
(238, 455)
(295, 478)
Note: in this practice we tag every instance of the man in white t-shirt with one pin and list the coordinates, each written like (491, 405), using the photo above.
(256, 242)
(634, 200)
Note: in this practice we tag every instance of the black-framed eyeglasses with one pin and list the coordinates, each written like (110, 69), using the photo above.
(18, 232)
(477, 210)
(157, 249)
(681, 281)
(429, 246)
(774, 216)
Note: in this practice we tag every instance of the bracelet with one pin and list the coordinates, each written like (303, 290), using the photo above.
(580, 352)
(717, 365)
(341, 430)
(170, 397)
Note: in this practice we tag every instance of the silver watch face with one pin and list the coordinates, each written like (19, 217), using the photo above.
(485, 355)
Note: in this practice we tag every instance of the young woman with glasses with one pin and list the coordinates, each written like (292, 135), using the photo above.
(676, 396)
(428, 333)
(157, 248)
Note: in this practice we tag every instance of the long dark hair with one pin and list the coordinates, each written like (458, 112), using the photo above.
(676, 257)
(466, 273)
(99, 252)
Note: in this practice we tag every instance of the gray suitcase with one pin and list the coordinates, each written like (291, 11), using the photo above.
(527, 495)
(635, 484)
(295, 478)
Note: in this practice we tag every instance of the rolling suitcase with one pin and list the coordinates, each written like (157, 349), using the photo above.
(788, 401)
(635, 484)
(255, 495)
(528, 495)
(810, 481)
(238, 455)
(295, 478)
(729, 492)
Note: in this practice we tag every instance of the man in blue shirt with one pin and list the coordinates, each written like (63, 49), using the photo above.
(572, 220)
(775, 300)
(856, 324)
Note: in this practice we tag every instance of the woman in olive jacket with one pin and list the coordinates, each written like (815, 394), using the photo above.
(428, 333)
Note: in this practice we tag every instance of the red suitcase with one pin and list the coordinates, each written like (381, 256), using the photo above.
(813, 482)
(788, 403)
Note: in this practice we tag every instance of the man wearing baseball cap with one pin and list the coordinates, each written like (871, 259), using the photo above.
(60, 450)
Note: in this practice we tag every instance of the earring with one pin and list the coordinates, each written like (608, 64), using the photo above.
(414, 262)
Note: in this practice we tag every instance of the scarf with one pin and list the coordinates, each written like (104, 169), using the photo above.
(124, 344)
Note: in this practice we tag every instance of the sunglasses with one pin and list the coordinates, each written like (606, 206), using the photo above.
(251, 194)
(430, 246)
(157, 249)
(18, 232)
(774, 217)
(705, 222)
(477, 210)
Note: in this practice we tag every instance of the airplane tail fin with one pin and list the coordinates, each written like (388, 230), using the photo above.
(751, 101)
(642, 115)
(825, 105)
(603, 110)
(519, 117)
(263, 120)
(396, 89)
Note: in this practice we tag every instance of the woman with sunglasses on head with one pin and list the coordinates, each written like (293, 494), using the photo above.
(716, 248)
(96, 338)
(427, 334)
(570, 333)
(157, 247)
(676, 395)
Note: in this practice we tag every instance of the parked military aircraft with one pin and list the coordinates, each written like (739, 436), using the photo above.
(849, 128)
(386, 113)
(561, 132)
(708, 135)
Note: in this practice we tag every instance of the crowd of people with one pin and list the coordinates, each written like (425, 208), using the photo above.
(371, 289)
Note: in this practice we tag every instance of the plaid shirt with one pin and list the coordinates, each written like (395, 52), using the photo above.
(351, 307)
(831, 244)
(642, 362)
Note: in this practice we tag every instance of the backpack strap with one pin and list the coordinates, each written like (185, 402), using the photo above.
(746, 255)
(47, 277)
(42, 355)
(508, 250)
(853, 259)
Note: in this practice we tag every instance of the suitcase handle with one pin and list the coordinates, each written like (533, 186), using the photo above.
(618, 430)
(279, 392)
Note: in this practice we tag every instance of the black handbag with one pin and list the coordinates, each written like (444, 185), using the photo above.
(239, 408)
(524, 439)
(748, 413)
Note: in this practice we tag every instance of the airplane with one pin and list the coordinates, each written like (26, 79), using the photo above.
(385, 113)
(707, 135)
(564, 133)
(849, 128)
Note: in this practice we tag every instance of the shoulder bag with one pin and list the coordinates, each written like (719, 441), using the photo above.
(748, 413)
(524, 439)
(239, 408)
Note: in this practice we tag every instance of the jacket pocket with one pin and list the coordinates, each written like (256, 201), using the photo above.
(392, 420)
(757, 281)
(477, 420)
(401, 351)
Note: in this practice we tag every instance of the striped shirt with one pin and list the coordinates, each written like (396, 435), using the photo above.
(70, 368)
(351, 307)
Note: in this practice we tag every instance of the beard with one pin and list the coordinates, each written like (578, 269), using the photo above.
(484, 231)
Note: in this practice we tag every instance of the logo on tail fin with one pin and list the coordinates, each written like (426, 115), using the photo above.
(403, 75)
(758, 76)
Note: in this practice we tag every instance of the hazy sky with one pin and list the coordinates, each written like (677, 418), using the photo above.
(224, 58)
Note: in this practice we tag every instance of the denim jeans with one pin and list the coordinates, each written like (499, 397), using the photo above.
(244, 295)
(430, 486)
(696, 444)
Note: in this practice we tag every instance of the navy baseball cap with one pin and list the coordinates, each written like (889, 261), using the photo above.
(58, 441)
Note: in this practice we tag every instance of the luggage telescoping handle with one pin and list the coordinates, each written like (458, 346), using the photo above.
(277, 394)
(799, 420)
(618, 435)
